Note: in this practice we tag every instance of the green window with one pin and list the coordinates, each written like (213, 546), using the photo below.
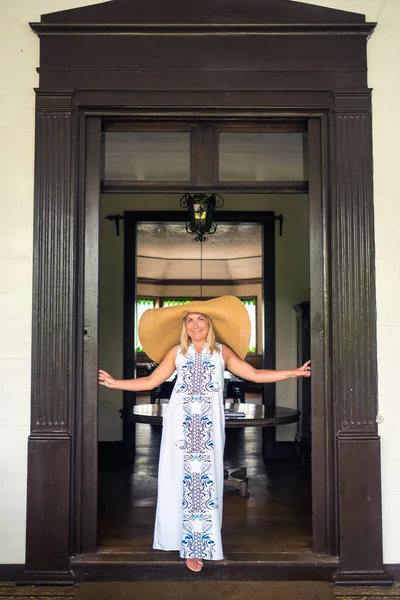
(168, 302)
(142, 305)
(251, 307)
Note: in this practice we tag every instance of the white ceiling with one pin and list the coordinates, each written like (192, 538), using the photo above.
(166, 251)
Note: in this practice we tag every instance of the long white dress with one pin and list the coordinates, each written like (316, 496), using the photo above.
(191, 470)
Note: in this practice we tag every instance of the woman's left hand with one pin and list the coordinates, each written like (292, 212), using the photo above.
(106, 379)
(304, 371)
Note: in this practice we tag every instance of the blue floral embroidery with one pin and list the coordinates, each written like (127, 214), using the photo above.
(199, 494)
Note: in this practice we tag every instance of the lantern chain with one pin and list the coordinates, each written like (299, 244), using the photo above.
(201, 269)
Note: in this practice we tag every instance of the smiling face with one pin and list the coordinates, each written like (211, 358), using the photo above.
(197, 327)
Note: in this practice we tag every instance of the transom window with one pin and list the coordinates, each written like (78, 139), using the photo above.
(259, 156)
(268, 156)
(146, 156)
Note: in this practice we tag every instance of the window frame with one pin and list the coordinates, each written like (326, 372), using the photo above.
(204, 157)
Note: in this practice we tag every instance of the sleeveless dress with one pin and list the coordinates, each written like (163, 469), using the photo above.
(191, 468)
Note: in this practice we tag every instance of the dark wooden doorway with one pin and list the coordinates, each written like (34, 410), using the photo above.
(280, 491)
(259, 61)
(268, 223)
(323, 539)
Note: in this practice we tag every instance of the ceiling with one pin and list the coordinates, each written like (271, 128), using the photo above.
(166, 251)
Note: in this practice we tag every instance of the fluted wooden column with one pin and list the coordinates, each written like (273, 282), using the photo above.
(49, 445)
(354, 344)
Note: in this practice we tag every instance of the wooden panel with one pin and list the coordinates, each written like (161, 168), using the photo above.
(121, 567)
(207, 52)
(269, 331)
(130, 366)
(359, 510)
(353, 284)
(52, 360)
(205, 104)
(303, 435)
(47, 547)
(89, 432)
(273, 125)
(393, 570)
(325, 529)
(233, 79)
(11, 572)
(275, 187)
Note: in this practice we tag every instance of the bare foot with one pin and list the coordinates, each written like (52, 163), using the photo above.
(194, 564)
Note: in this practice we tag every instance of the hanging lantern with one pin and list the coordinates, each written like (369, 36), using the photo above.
(201, 209)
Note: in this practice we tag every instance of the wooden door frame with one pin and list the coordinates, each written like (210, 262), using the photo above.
(289, 60)
(83, 506)
(84, 497)
(324, 508)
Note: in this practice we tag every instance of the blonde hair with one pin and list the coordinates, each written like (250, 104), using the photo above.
(186, 340)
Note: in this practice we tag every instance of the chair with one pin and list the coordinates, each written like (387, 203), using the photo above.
(162, 392)
(234, 388)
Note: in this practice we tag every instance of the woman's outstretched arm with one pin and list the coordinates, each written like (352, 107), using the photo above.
(244, 370)
(142, 384)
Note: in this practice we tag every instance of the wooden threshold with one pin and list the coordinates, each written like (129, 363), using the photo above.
(154, 566)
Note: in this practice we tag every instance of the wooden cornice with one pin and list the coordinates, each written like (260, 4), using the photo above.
(266, 29)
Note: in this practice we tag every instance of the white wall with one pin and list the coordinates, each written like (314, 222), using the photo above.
(292, 286)
(19, 49)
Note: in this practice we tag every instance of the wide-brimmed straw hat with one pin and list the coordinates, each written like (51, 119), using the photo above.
(160, 328)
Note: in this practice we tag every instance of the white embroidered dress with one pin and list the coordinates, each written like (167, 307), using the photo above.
(191, 469)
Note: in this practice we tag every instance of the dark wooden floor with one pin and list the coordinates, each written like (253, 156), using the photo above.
(274, 521)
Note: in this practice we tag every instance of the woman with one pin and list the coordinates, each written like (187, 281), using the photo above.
(199, 340)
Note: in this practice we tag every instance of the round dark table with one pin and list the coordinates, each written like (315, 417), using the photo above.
(256, 415)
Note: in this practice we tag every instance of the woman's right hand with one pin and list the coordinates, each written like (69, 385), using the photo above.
(106, 379)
